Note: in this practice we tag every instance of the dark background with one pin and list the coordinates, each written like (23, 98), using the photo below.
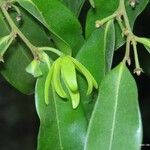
(18, 119)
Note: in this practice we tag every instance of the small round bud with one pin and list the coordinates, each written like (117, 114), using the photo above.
(133, 3)
(18, 18)
(138, 71)
(129, 61)
(98, 24)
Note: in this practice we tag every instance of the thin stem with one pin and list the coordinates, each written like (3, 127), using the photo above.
(127, 53)
(99, 23)
(16, 31)
(125, 16)
(137, 69)
(143, 41)
(54, 50)
(119, 20)
(16, 9)
(130, 38)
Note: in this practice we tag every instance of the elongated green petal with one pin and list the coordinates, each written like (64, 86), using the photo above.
(47, 84)
(75, 97)
(69, 74)
(56, 80)
(90, 79)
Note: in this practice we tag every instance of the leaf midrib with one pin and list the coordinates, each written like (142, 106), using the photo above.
(115, 107)
(57, 120)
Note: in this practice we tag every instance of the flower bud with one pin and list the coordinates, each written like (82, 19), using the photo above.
(34, 68)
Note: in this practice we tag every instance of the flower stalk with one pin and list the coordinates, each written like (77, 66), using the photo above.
(120, 15)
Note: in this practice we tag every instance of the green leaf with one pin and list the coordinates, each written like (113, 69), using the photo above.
(34, 11)
(66, 25)
(96, 55)
(61, 126)
(106, 8)
(18, 55)
(103, 9)
(101, 46)
(74, 5)
(92, 55)
(109, 44)
(116, 118)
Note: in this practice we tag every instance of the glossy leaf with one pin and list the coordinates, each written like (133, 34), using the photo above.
(61, 127)
(34, 11)
(92, 56)
(116, 119)
(62, 21)
(101, 46)
(96, 55)
(102, 10)
(18, 55)
(74, 5)
(106, 8)
(109, 44)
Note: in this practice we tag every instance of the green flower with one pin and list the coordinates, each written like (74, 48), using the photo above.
(63, 70)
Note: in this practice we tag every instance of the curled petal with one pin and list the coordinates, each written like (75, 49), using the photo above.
(68, 73)
(75, 97)
(90, 79)
(56, 80)
(47, 84)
